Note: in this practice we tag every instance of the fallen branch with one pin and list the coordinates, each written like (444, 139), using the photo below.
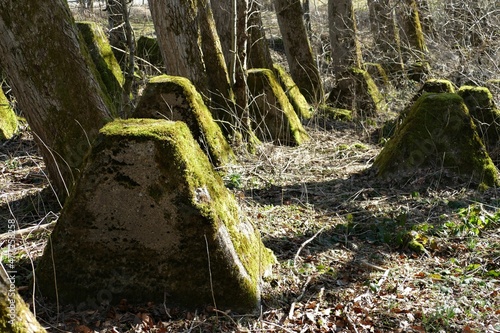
(29, 230)
(302, 247)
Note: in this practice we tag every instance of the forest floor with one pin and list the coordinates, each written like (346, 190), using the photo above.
(355, 253)
(345, 243)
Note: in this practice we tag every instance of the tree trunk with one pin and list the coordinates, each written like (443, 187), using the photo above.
(298, 50)
(54, 83)
(410, 32)
(386, 35)
(177, 28)
(258, 50)
(345, 47)
(117, 34)
(190, 46)
(224, 12)
(15, 316)
(220, 90)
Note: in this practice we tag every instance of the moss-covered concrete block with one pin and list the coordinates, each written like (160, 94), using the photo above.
(15, 315)
(103, 58)
(299, 102)
(429, 86)
(479, 101)
(175, 98)
(273, 116)
(150, 220)
(8, 118)
(147, 48)
(438, 135)
(357, 91)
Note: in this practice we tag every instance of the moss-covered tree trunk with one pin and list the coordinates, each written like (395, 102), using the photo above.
(410, 31)
(224, 13)
(426, 20)
(190, 46)
(258, 50)
(386, 35)
(298, 50)
(15, 316)
(54, 83)
(345, 47)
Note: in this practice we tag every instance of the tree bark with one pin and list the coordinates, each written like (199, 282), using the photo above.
(54, 83)
(386, 35)
(224, 12)
(190, 46)
(177, 28)
(410, 31)
(298, 50)
(345, 47)
(258, 50)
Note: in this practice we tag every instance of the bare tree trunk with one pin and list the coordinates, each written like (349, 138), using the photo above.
(258, 50)
(241, 66)
(298, 50)
(117, 34)
(53, 83)
(191, 48)
(220, 90)
(386, 35)
(345, 47)
(127, 106)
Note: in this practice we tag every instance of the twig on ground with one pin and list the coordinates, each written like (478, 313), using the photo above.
(302, 247)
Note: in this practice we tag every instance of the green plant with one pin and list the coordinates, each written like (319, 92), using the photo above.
(473, 220)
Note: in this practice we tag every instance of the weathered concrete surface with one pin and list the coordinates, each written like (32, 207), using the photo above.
(150, 219)
(437, 136)
(272, 114)
(175, 98)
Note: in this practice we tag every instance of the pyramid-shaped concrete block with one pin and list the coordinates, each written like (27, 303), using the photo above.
(175, 98)
(437, 136)
(273, 116)
(150, 219)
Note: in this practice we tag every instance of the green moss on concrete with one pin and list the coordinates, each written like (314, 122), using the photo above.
(482, 109)
(437, 134)
(104, 59)
(15, 316)
(273, 115)
(147, 48)
(175, 98)
(430, 86)
(8, 119)
(357, 91)
(334, 113)
(299, 102)
(139, 243)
